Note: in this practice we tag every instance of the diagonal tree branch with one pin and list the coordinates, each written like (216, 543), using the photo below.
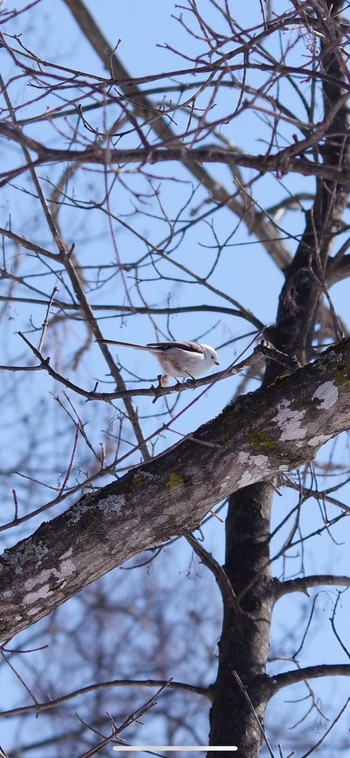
(255, 438)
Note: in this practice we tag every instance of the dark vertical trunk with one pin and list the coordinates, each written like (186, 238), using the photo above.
(244, 641)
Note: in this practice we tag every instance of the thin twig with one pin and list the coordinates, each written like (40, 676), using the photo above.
(222, 580)
(327, 731)
(46, 319)
(247, 698)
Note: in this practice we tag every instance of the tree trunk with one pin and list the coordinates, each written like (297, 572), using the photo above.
(244, 641)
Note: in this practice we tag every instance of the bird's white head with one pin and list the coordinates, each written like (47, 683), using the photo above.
(211, 357)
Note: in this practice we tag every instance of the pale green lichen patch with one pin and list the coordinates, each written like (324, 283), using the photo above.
(28, 551)
(112, 504)
(289, 422)
(141, 478)
(327, 394)
(252, 463)
(67, 567)
(67, 554)
(109, 504)
(175, 479)
(138, 480)
(42, 589)
(318, 440)
(41, 579)
(342, 377)
(39, 587)
(260, 440)
(33, 597)
(79, 510)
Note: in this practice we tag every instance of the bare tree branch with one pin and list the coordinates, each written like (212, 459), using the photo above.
(257, 437)
(147, 683)
(309, 672)
(304, 583)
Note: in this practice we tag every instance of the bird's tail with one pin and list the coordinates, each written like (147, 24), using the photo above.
(123, 344)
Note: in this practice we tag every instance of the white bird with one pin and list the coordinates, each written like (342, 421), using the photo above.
(177, 358)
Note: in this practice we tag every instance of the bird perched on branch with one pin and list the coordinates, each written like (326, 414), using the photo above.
(177, 358)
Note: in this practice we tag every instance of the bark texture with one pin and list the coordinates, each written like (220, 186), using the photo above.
(255, 438)
(244, 642)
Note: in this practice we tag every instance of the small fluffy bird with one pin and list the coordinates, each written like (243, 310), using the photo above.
(177, 358)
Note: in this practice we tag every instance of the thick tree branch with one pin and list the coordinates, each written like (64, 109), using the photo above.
(258, 436)
(304, 583)
(309, 672)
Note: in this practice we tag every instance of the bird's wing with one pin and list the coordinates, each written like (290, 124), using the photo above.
(189, 347)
